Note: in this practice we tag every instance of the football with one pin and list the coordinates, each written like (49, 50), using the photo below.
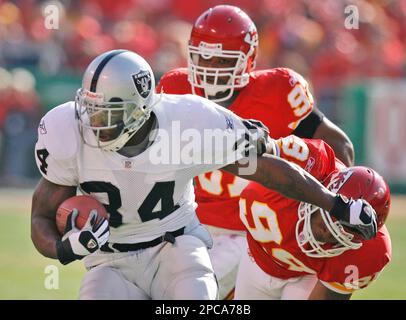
(84, 204)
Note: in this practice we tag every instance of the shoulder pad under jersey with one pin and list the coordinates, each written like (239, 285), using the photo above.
(59, 132)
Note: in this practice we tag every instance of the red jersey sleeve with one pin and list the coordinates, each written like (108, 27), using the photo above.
(313, 155)
(174, 82)
(356, 269)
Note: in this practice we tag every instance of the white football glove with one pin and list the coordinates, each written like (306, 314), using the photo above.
(76, 244)
(356, 215)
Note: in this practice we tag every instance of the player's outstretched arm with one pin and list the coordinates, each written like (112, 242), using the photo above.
(45, 202)
(294, 182)
(321, 292)
(289, 180)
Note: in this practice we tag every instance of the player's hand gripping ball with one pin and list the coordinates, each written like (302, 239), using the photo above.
(84, 204)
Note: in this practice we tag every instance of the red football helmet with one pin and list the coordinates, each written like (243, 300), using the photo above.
(226, 32)
(354, 182)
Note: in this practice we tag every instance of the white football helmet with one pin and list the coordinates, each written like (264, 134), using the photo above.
(116, 99)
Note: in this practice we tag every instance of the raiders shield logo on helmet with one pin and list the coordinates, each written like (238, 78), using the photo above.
(142, 81)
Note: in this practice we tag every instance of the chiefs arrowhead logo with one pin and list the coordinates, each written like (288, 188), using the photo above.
(338, 179)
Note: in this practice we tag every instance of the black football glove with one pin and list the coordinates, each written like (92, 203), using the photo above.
(76, 244)
(355, 215)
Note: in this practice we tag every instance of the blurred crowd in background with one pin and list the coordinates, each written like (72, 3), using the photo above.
(40, 67)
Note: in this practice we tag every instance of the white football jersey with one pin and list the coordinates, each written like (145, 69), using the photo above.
(151, 193)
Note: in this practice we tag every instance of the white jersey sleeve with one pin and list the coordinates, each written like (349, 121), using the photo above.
(210, 136)
(233, 139)
(56, 147)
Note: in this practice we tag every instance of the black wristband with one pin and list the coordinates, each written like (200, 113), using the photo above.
(64, 252)
(341, 208)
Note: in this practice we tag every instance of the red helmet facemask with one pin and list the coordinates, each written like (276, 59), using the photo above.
(224, 32)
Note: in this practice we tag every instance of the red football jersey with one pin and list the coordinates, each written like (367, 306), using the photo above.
(271, 221)
(280, 98)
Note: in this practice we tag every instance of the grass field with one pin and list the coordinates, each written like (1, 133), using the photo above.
(22, 268)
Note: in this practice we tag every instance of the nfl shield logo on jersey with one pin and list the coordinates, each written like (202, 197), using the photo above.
(229, 123)
(128, 164)
(142, 81)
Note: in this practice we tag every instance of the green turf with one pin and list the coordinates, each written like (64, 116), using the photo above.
(391, 283)
(22, 268)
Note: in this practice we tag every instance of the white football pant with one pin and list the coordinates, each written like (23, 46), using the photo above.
(179, 271)
(255, 284)
(228, 247)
